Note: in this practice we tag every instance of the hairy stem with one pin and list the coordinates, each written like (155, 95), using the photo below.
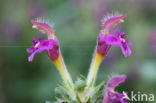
(97, 58)
(59, 62)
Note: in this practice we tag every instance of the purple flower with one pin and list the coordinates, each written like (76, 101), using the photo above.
(41, 45)
(119, 40)
(111, 96)
(50, 45)
(109, 22)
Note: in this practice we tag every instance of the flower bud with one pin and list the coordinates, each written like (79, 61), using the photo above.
(80, 85)
(59, 92)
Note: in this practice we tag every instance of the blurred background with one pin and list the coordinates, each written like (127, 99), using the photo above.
(77, 24)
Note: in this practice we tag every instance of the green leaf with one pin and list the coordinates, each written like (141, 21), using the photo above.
(98, 94)
(82, 77)
(99, 101)
(78, 99)
(67, 99)
(91, 83)
(64, 86)
(69, 84)
(59, 91)
(89, 100)
(98, 87)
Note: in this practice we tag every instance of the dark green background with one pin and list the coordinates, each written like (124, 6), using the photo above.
(77, 24)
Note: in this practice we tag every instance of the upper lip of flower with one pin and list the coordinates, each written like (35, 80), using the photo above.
(44, 28)
(111, 21)
(115, 81)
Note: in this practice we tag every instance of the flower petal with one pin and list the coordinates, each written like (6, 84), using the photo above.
(31, 57)
(128, 42)
(114, 97)
(39, 46)
(115, 81)
(54, 52)
(111, 21)
(43, 27)
(30, 50)
(112, 40)
(45, 45)
(34, 41)
(125, 49)
(102, 47)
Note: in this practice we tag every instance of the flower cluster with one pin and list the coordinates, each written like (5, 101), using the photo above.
(84, 89)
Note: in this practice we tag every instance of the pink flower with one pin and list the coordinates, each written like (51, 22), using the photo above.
(109, 22)
(111, 96)
(50, 45)
(119, 40)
